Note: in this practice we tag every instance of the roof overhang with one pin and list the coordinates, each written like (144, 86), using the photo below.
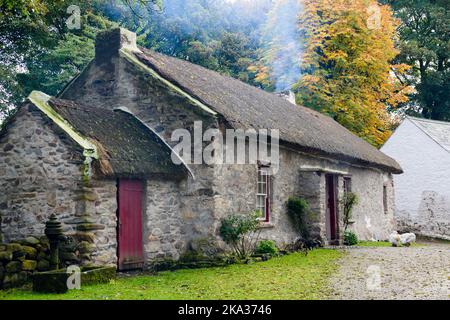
(41, 101)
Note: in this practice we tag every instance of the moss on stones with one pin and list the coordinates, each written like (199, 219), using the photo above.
(30, 252)
(29, 265)
(6, 256)
(13, 266)
(13, 247)
(43, 265)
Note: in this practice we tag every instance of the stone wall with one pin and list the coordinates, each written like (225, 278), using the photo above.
(433, 220)
(18, 260)
(41, 174)
(371, 221)
(164, 238)
(21, 258)
(302, 176)
(104, 215)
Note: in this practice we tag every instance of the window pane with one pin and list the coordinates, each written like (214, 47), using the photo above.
(262, 191)
(261, 212)
(262, 188)
(347, 185)
(260, 201)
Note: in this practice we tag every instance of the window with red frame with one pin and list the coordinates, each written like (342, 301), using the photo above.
(263, 193)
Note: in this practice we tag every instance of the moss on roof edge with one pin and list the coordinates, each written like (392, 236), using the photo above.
(41, 101)
(130, 57)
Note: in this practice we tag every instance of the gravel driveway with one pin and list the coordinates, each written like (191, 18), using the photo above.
(394, 273)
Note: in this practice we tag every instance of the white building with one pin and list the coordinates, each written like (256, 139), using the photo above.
(422, 147)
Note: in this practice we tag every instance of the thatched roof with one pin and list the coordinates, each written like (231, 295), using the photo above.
(244, 106)
(126, 147)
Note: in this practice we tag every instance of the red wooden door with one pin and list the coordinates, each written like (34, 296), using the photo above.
(130, 252)
(331, 191)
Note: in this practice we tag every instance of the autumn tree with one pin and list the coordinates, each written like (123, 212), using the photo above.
(347, 65)
(346, 69)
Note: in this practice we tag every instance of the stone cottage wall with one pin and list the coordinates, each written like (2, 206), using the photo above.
(371, 221)
(299, 175)
(163, 236)
(104, 215)
(41, 174)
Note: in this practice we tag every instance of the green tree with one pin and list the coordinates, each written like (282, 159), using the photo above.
(217, 34)
(29, 32)
(39, 52)
(425, 46)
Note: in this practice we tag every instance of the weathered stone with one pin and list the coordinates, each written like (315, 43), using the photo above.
(14, 266)
(29, 265)
(30, 252)
(90, 226)
(6, 256)
(44, 241)
(95, 275)
(206, 247)
(2, 247)
(85, 247)
(19, 255)
(42, 255)
(13, 247)
(43, 265)
(50, 282)
(8, 147)
(69, 245)
(85, 236)
(11, 280)
(90, 196)
(68, 256)
(30, 241)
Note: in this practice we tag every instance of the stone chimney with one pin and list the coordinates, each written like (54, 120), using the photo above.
(109, 42)
(288, 95)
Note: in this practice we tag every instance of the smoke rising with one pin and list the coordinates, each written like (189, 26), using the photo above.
(283, 42)
(270, 25)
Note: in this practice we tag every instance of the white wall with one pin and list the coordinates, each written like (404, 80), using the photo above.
(423, 190)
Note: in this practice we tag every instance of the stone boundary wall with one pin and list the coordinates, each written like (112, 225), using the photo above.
(439, 229)
(20, 259)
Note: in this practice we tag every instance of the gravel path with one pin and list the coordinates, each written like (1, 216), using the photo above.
(394, 273)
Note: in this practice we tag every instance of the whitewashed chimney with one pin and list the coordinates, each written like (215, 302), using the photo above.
(289, 95)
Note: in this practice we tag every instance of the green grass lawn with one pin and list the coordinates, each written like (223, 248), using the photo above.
(289, 277)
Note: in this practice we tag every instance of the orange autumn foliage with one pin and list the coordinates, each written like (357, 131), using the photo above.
(347, 69)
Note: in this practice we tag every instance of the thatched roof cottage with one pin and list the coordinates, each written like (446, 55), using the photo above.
(101, 157)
